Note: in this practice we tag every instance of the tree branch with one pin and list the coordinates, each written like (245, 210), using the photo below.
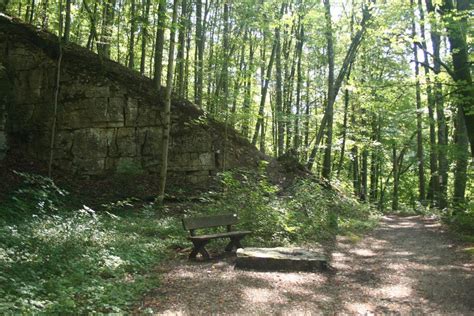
(445, 66)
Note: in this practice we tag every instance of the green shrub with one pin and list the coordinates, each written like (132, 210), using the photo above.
(36, 195)
(309, 213)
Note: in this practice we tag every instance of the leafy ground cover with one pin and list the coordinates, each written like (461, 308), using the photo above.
(56, 258)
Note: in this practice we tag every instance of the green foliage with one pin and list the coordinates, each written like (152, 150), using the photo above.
(310, 213)
(253, 198)
(81, 261)
(462, 222)
(38, 195)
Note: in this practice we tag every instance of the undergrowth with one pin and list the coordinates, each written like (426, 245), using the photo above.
(57, 259)
(305, 213)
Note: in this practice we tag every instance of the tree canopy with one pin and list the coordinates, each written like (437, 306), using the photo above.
(375, 94)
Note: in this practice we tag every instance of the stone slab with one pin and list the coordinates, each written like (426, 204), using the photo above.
(280, 259)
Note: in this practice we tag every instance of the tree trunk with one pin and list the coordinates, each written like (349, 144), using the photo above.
(106, 33)
(279, 98)
(248, 92)
(67, 24)
(225, 64)
(167, 109)
(160, 38)
(299, 84)
(344, 124)
(434, 180)
(266, 81)
(457, 27)
(419, 128)
(462, 161)
(348, 59)
(131, 43)
(440, 117)
(145, 22)
(331, 93)
(395, 178)
(181, 47)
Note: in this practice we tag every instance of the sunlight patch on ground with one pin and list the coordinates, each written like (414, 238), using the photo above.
(395, 291)
(363, 252)
(435, 225)
(258, 295)
(341, 266)
(291, 277)
(360, 308)
(401, 253)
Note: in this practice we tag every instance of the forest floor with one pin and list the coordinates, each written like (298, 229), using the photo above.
(407, 265)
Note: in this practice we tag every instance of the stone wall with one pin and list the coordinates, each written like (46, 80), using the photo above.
(109, 118)
(5, 99)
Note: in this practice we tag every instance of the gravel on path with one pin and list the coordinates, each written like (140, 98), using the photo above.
(408, 265)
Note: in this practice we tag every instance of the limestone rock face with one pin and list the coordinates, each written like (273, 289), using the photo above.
(109, 118)
(5, 99)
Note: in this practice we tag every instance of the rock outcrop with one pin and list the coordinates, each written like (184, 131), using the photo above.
(109, 118)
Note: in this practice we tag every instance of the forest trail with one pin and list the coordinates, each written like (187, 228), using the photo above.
(407, 265)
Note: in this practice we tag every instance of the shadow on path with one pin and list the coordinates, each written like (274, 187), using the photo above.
(407, 265)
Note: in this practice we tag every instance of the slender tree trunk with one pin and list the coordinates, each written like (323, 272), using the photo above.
(67, 25)
(131, 43)
(56, 94)
(434, 180)
(279, 96)
(331, 93)
(200, 31)
(188, 51)
(106, 32)
(181, 47)
(248, 92)
(238, 79)
(419, 127)
(145, 22)
(265, 81)
(461, 163)
(167, 109)
(307, 113)
(160, 39)
(395, 178)
(30, 12)
(440, 117)
(44, 14)
(93, 18)
(299, 84)
(263, 97)
(375, 159)
(344, 124)
(288, 85)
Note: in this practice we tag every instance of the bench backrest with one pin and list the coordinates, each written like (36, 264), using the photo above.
(192, 223)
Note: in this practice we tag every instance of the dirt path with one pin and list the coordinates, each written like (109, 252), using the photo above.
(407, 265)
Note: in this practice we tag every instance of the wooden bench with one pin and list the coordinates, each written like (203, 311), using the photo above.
(200, 241)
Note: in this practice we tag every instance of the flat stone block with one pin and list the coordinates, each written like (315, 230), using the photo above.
(280, 259)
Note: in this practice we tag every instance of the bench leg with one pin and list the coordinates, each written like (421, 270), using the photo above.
(234, 244)
(199, 248)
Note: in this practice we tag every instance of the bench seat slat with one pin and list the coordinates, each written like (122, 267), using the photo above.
(210, 221)
(220, 235)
